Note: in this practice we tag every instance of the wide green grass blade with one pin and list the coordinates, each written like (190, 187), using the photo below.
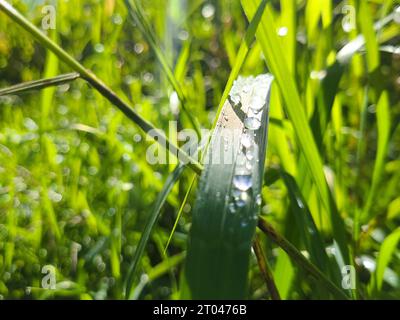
(239, 61)
(276, 61)
(39, 84)
(226, 209)
(153, 216)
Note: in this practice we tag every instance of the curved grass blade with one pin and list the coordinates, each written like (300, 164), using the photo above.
(39, 84)
(383, 126)
(99, 85)
(226, 209)
(299, 259)
(155, 213)
(388, 247)
(305, 222)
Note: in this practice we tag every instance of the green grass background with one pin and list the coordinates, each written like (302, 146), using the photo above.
(73, 172)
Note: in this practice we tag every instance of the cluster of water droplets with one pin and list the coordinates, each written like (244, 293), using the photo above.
(254, 92)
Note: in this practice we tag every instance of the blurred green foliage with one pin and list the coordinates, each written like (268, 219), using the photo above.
(76, 189)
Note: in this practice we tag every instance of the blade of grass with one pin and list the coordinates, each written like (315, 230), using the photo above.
(386, 251)
(155, 213)
(180, 211)
(265, 269)
(305, 222)
(383, 127)
(330, 84)
(224, 218)
(299, 259)
(284, 273)
(288, 20)
(367, 28)
(39, 84)
(99, 85)
(346, 53)
(276, 61)
(239, 61)
(241, 55)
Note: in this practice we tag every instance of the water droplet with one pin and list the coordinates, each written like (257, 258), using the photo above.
(242, 200)
(252, 123)
(246, 88)
(241, 160)
(235, 98)
(250, 154)
(347, 26)
(257, 103)
(283, 31)
(208, 11)
(54, 196)
(30, 124)
(300, 203)
(242, 181)
(318, 75)
(396, 17)
(117, 19)
(99, 47)
(232, 207)
(240, 203)
(249, 166)
(174, 102)
(246, 140)
(244, 224)
(255, 114)
(236, 193)
(258, 199)
(126, 186)
(183, 35)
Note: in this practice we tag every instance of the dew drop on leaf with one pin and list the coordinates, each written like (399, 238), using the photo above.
(242, 182)
(252, 123)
